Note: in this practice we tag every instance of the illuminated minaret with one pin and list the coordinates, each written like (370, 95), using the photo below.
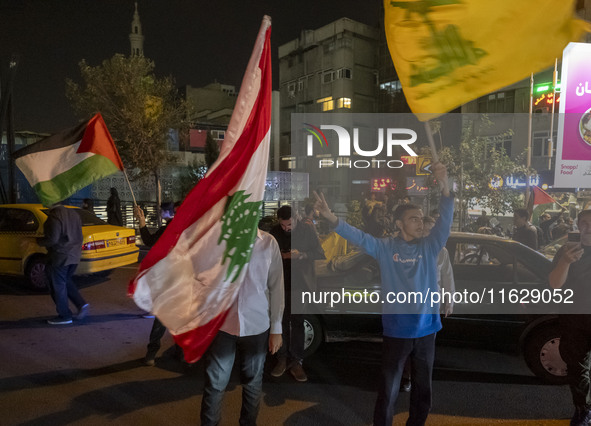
(136, 38)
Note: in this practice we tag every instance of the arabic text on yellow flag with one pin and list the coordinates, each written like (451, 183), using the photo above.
(448, 52)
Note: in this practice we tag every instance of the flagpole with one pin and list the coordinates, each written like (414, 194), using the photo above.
(130, 188)
(431, 141)
(529, 132)
(551, 139)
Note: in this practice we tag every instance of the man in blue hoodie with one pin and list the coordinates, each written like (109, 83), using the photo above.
(408, 264)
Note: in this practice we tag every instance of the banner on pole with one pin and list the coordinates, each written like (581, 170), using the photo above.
(573, 148)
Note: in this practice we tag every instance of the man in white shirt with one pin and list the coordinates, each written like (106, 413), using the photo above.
(253, 324)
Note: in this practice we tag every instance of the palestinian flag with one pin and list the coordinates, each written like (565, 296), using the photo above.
(192, 275)
(58, 166)
(539, 201)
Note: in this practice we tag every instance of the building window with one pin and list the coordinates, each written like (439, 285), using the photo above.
(500, 142)
(301, 84)
(135, 29)
(344, 73)
(541, 144)
(327, 77)
(291, 87)
(291, 162)
(500, 102)
(391, 87)
(326, 104)
(344, 103)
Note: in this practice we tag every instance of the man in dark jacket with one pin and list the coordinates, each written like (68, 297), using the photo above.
(158, 329)
(571, 268)
(524, 231)
(301, 254)
(114, 216)
(63, 239)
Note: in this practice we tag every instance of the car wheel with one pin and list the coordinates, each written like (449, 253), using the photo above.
(313, 334)
(542, 355)
(36, 273)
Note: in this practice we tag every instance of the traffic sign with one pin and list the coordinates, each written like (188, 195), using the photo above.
(423, 165)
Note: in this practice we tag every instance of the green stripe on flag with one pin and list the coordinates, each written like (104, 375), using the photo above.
(78, 177)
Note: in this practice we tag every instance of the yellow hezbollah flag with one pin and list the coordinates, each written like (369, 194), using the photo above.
(448, 52)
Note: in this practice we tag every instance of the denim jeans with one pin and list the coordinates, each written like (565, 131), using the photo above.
(63, 288)
(421, 352)
(219, 360)
(158, 330)
(293, 333)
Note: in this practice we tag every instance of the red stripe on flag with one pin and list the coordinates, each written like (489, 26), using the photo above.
(541, 197)
(98, 140)
(195, 342)
(224, 178)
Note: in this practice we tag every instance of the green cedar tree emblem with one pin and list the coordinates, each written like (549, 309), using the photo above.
(239, 230)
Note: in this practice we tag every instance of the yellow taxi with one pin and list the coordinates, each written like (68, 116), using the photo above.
(104, 247)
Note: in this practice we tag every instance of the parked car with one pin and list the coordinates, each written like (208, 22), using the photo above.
(479, 262)
(550, 249)
(104, 248)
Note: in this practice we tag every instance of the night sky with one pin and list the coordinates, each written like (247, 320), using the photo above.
(194, 41)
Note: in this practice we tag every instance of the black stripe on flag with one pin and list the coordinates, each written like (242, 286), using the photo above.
(59, 140)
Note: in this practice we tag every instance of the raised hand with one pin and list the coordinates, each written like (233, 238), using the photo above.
(322, 206)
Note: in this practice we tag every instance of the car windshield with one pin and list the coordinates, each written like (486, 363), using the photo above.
(88, 219)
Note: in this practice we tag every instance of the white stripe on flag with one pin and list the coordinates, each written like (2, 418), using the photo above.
(45, 165)
(197, 292)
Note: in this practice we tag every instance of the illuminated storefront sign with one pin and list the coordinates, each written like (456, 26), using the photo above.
(512, 182)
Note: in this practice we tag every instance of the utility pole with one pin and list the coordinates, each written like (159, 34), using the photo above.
(529, 132)
(550, 140)
(6, 116)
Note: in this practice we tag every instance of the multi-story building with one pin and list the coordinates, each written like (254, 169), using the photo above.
(330, 69)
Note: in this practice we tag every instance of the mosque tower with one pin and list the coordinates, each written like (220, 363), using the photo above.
(136, 37)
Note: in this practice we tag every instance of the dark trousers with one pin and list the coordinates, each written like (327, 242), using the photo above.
(156, 335)
(293, 333)
(219, 360)
(575, 350)
(63, 288)
(421, 352)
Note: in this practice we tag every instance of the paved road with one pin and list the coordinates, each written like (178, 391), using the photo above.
(90, 373)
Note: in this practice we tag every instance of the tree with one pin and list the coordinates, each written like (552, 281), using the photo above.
(139, 109)
(212, 150)
(477, 167)
(190, 176)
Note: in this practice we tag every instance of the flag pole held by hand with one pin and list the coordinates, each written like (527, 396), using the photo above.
(431, 141)
(129, 183)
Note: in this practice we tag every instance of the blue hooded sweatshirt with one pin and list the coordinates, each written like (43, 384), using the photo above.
(407, 267)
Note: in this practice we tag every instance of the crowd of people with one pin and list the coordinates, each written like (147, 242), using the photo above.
(410, 250)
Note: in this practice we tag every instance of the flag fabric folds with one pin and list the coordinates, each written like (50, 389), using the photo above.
(192, 275)
(542, 197)
(539, 201)
(58, 166)
(448, 52)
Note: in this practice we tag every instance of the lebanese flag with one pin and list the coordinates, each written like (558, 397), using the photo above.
(58, 166)
(191, 276)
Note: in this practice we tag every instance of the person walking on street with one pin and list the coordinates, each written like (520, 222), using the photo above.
(408, 263)
(571, 269)
(114, 216)
(252, 326)
(524, 231)
(306, 249)
(158, 329)
(63, 238)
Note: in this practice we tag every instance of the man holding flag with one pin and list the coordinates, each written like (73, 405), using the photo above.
(252, 324)
(57, 167)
